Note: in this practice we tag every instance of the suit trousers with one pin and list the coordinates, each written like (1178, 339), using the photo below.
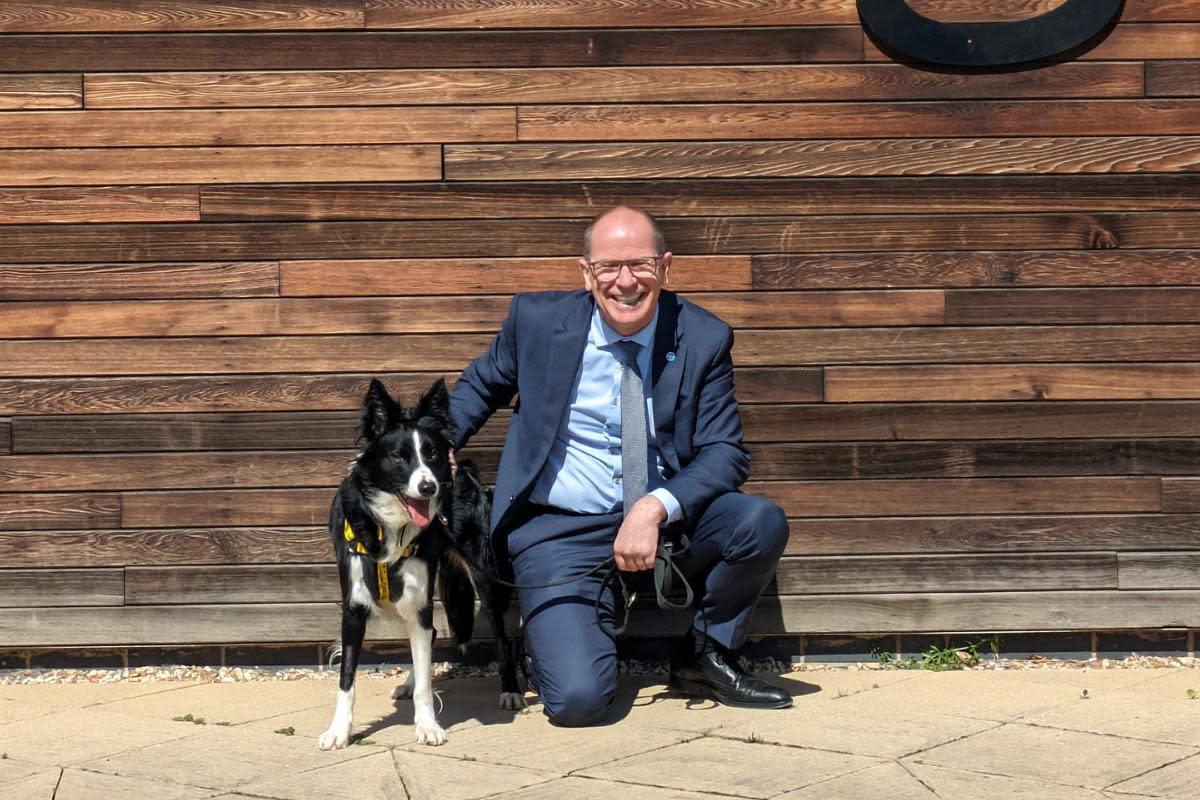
(735, 545)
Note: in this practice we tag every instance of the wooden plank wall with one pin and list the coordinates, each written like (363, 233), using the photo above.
(967, 304)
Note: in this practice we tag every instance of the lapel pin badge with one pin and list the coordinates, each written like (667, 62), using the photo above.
(670, 357)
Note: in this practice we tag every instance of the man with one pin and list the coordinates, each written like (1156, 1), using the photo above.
(587, 472)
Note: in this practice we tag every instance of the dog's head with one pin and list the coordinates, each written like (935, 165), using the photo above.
(407, 450)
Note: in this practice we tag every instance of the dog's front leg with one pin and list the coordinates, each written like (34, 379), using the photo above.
(417, 610)
(354, 629)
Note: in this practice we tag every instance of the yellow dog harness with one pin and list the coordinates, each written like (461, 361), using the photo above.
(381, 568)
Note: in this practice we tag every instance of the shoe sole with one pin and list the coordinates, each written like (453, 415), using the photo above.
(696, 689)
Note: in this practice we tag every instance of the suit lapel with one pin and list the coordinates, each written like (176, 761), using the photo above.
(666, 365)
(562, 362)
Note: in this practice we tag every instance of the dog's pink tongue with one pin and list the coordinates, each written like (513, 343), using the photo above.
(419, 511)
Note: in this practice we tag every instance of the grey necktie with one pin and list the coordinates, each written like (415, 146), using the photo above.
(634, 461)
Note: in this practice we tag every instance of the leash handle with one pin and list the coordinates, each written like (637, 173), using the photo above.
(665, 569)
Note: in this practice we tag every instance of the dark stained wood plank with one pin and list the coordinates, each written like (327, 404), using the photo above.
(1071, 306)
(965, 118)
(5, 436)
(138, 281)
(1173, 78)
(459, 276)
(49, 588)
(618, 13)
(948, 573)
(78, 16)
(942, 496)
(380, 315)
(187, 509)
(1012, 382)
(231, 584)
(964, 269)
(100, 204)
(826, 157)
(174, 546)
(899, 535)
(48, 511)
(615, 84)
(40, 91)
(1181, 495)
(411, 49)
(269, 127)
(1129, 41)
(218, 164)
(1158, 570)
(718, 197)
(957, 421)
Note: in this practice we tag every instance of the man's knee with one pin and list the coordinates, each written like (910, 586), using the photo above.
(579, 705)
(766, 525)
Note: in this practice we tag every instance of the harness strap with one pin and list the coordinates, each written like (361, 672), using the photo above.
(381, 568)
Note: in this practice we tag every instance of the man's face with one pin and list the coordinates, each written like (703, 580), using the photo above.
(628, 296)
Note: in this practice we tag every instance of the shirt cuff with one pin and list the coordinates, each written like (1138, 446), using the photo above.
(674, 510)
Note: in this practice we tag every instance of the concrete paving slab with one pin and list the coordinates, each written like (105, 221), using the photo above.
(586, 789)
(1055, 756)
(78, 784)
(724, 766)
(431, 776)
(12, 769)
(57, 696)
(889, 779)
(38, 786)
(229, 702)
(1155, 710)
(14, 710)
(77, 735)
(372, 777)
(954, 784)
(1177, 780)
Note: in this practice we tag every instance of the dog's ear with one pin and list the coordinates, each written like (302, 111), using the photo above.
(435, 405)
(378, 411)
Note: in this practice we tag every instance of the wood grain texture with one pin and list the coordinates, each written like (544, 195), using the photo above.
(1004, 496)
(50, 511)
(1071, 306)
(380, 49)
(717, 197)
(828, 157)
(1173, 78)
(78, 16)
(262, 127)
(834, 120)
(250, 583)
(968, 534)
(982, 269)
(163, 547)
(138, 281)
(1158, 570)
(99, 204)
(948, 573)
(465, 276)
(40, 91)
(45, 588)
(218, 164)
(1129, 41)
(1013, 382)
(623, 13)
(615, 84)
(5, 436)
(1181, 495)
(1010, 10)
(223, 508)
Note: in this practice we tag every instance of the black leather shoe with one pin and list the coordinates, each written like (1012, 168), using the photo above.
(717, 676)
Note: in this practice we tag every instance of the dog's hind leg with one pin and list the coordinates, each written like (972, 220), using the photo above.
(416, 607)
(354, 629)
(495, 604)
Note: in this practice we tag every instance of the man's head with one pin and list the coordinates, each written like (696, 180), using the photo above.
(625, 265)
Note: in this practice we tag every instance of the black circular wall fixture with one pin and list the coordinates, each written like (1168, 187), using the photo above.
(986, 44)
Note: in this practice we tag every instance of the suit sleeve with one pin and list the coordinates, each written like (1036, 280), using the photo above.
(488, 383)
(721, 462)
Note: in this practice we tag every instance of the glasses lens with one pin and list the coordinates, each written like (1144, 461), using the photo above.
(641, 267)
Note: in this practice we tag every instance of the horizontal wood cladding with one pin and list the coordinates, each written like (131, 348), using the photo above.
(48, 588)
(832, 120)
(324, 315)
(1173, 78)
(977, 269)
(5, 436)
(257, 241)
(1012, 382)
(138, 281)
(616, 84)
(378, 49)
(40, 91)
(67, 510)
(1071, 306)
(717, 197)
(219, 164)
(77, 16)
(968, 11)
(1076, 155)
(311, 583)
(1129, 41)
(276, 127)
(162, 547)
(1158, 570)
(224, 508)
(99, 204)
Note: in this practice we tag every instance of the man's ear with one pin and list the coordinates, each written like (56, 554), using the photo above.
(666, 265)
(378, 411)
(588, 278)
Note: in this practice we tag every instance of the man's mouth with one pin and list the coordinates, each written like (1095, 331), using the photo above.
(418, 510)
(628, 300)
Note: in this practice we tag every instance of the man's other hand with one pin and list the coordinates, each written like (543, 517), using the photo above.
(637, 540)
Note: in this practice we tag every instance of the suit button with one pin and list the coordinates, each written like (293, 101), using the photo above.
(510, 498)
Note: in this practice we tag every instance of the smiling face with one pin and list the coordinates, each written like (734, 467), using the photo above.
(626, 300)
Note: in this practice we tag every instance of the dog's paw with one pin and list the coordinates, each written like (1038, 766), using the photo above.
(513, 701)
(404, 691)
(334, 739)
(430, 733)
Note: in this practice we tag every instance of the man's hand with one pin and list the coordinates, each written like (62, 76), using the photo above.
(637, 540)
(453, 465)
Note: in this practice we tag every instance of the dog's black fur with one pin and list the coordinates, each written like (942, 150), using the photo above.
(400, 495)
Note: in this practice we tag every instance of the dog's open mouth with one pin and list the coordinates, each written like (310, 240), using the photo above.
(418, 509)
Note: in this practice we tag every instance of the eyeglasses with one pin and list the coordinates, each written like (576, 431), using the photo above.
(640, 267)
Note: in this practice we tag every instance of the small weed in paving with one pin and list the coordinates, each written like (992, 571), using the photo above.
(361, 740)
(3, 756)
(1192, 694)
(288, 731)
(754, 738)
(468, 758)
(936, 659)
(189, 718)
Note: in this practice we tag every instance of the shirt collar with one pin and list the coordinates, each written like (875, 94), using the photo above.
(601, 335)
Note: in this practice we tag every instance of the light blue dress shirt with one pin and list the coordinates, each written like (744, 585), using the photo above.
(583, 471)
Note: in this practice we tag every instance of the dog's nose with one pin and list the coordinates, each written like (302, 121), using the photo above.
(427, 488)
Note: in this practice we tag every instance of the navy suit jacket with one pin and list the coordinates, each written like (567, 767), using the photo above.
(536, 356)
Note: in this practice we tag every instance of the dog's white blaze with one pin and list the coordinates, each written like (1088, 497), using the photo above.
(413, 599)
(338, 735)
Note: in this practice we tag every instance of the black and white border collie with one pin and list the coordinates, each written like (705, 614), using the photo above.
(391, 523)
